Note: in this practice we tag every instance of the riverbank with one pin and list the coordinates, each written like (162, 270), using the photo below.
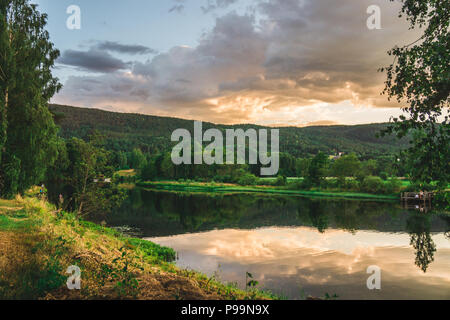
(232, 188)
(38, 243)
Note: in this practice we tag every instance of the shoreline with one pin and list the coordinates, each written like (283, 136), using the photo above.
(39, 243)
(207, 187)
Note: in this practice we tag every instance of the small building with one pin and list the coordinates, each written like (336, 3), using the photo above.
(101, 179)
(336, 156)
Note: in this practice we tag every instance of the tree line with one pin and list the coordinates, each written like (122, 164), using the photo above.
(31, 151)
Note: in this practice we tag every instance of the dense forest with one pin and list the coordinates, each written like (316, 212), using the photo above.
(358, 159)
(151, 134)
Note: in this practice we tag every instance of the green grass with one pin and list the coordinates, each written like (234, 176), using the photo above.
(197, 187)
(14, 223)
(45, 242)
(150, 249)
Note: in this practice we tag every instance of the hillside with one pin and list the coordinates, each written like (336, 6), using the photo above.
(126, 131)
(38, 243)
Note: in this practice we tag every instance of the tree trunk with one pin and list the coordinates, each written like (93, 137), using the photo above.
(3, 124)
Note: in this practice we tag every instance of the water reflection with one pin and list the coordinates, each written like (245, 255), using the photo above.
(293, 243)
(287, 260)
(169, 213)
(419, 228)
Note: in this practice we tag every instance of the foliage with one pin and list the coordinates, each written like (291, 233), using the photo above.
(249, 281)
(125, 132)
(417, 186)
(127, 285)
(137, 159)
(393, 186)
(28, 136)
(419, 228)
(442, 200)
(79, 176)
(372, 184)
(317, 170)
(281, 180)
(420, 77)
(247, 179)
(153, 250)
(34, 265)
(346, 166)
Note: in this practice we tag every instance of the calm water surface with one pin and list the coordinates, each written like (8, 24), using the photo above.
(298, 246)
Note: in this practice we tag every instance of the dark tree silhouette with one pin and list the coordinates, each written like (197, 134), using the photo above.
(419, 230)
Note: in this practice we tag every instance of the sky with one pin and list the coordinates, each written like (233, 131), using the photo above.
(268, 62)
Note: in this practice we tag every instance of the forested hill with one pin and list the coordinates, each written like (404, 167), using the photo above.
(125, 131)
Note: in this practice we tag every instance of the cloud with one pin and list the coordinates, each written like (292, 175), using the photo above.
(92, 60)
(123, 48)
(212, 5)
(178, 6)
(291, 61)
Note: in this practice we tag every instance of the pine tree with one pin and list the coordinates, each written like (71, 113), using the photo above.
(28, 135)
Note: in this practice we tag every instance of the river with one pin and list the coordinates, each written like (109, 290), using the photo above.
(296, 246)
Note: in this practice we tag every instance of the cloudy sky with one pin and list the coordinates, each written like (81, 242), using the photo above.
(272, 62)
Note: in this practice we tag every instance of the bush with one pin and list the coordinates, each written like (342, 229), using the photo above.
(306, 184)
(420, 187)
(281, 181)
(360, 176)
(327, 184)
(352, 184)
(372, 184)
(219, 178)
(247, 179)
(442, 200)
(393, 186)
(153, 250)
(383, 175)
(340, 182)
(332, 183)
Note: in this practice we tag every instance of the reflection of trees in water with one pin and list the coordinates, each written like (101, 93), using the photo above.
(318, 216)
(348, 215)
(446, 218)
(418, 226)
(168, 213)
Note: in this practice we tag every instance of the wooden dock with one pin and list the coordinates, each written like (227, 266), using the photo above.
(417, 197)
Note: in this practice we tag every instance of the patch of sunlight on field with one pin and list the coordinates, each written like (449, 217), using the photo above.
(126, 173)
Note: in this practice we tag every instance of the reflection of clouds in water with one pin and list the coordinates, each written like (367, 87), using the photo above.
(277, 242)
(286, 258)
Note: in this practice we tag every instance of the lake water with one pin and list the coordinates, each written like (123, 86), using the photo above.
(295, 246)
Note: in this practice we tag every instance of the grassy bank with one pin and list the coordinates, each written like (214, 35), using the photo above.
(38, 243)
(214, 187)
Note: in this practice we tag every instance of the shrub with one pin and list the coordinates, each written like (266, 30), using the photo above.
(247, 179)
(372, 184)
(383, 175)
(417, 186)
(393, 186)
(153, 250)
(306, 184)
(332, 183)
(281, 181)
(360, 176)
(442, 200)
(352, 184)
(340, 182)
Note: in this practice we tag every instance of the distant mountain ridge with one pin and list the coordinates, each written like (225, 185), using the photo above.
(125, 131)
